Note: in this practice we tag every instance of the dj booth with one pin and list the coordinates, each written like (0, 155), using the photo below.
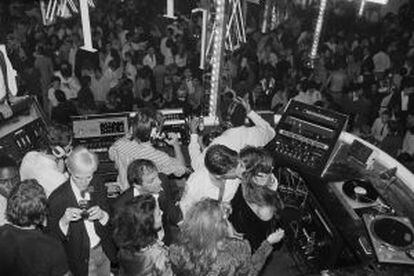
(351, 209)
(348, 206)
(98, 132)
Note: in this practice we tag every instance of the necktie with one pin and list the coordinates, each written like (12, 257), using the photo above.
(221, 193)
(382, 129)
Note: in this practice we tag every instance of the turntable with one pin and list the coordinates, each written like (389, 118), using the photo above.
(392, 238)
(356, 194)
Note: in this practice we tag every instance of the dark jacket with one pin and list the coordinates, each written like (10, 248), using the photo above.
(61, 114)
(76, 243)
(168, 201)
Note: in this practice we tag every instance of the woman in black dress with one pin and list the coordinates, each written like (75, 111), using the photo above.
(256, 201)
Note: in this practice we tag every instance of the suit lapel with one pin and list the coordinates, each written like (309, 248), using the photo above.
(71, 199)
(72, 202)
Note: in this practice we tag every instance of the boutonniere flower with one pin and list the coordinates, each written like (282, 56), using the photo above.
(86, 194)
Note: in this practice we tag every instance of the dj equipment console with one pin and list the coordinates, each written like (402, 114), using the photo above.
(306, 137)
(98, 132)
(25, 131)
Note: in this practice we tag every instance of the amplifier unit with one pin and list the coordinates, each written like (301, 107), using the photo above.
(98, 132)
(306, 137)
(25, 131)
(174, 121)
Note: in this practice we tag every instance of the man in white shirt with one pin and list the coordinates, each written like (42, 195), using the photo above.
(238, 136)
(100, 86)
(79, 216)
(408, 142)
(73, 51)
(166, 45)
(44, 168)
(69, 84)
(219, 179)
(150, 59)
(380, 127)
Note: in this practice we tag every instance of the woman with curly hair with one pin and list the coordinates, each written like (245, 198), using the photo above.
(24, 248)
(136, 225)
(210, 246)
(256, 201)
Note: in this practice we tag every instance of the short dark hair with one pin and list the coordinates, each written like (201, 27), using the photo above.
(134, 223)
(66, 69)
(27, 204)
(220, 159)
(8, 182)
(7, 162)
(143, 123)
(60, 96)
(137, 169)
(236, 114)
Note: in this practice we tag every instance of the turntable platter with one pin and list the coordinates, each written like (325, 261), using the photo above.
(360, 190)
(393, 232)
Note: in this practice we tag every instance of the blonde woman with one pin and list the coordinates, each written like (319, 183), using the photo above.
(210, 246)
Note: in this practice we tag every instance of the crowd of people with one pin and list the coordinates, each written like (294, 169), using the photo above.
(363, 69)
(55, 217)
(154, 227)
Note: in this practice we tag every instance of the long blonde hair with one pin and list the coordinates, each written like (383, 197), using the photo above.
(204, 228)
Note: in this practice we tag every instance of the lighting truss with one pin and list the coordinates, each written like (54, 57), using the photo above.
(235, 30)
(52, 9)
(203, 35)
(216, 59)
(225, 34)
(318, 29)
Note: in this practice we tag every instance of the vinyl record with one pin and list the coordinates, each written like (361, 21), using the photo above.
(360, 190)
(393, 232)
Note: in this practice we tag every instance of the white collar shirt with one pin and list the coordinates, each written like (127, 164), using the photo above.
(199, 186)
(3, 207)
(94, 239)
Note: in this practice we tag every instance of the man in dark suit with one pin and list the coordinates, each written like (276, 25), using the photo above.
(79, 216)
(144, 178)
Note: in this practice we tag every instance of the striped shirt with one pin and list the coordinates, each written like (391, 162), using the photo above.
(124, 151)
